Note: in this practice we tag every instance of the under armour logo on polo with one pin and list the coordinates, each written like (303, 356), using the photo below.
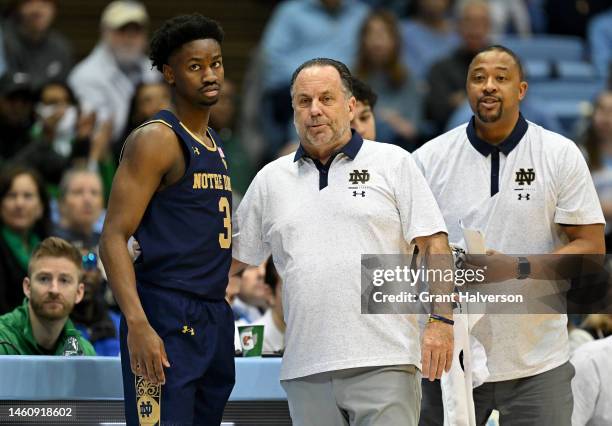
(355, 193)
(196, 150)
(359, 177)
(187, 329)
(523, 196)
(525, 176)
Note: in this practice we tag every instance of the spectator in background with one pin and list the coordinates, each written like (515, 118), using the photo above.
(510, 17)
(148, 99)
(272, 320)
(92, 318)
(364, 121)
(428, 36)
(600, 44)
(80, 206)
(299, 30)
(60, 135)
(24, 222)
(223, 121)
(105, 81)
(591, 384)
(446, 78)
(32, 47)
(598, 145)
(379, 64)
(16, 113)
(40, 326)
(252, 299)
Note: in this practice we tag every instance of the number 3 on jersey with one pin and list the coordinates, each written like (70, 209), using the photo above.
(225, 239)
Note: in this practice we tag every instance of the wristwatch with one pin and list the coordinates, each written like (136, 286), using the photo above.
(524, 268)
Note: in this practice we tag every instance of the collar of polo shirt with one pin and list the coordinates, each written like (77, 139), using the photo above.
(513, 139)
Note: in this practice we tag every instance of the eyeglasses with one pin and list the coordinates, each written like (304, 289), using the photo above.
(90, 261)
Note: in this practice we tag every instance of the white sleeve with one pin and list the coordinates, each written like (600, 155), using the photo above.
(248, 242)
(585, 388)
(419, 212)
(577, 202)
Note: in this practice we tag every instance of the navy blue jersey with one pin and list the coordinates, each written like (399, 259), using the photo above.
(186, 232)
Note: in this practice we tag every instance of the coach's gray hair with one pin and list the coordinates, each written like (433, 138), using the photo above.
(345, 74)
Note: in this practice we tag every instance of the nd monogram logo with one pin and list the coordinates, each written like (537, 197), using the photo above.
(359, 177)
(525, 177)
(146, 409)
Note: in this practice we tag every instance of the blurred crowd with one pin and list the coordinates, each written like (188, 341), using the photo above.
(63, 119)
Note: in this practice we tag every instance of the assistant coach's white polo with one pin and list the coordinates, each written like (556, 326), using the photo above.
(518, 194)
(317, 221)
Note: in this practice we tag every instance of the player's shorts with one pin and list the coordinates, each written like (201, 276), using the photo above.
(198, 336)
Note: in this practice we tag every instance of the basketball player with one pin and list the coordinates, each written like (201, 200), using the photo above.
(173, 193)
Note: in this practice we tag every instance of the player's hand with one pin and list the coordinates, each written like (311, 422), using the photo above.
(147, 353)
(436, 349)
(497, 266)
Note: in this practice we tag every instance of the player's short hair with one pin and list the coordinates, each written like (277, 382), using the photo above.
(500, 48)
(56, 247)
(179, 30)
(345, 74)
(364, 93)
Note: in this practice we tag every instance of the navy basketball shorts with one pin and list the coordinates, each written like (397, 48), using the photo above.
(198, 336)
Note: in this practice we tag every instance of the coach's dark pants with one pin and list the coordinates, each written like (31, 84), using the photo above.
(544, 400)
(198, 337)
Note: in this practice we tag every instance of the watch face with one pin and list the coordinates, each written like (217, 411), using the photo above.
(524, 268)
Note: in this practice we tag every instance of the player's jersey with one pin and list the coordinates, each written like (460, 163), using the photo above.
(185, 233)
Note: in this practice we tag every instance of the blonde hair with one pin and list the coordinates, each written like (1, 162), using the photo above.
(56, 247)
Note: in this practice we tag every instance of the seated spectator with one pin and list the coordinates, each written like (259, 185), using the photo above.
(272, 320)
(80, 207)
(105, 81)
(446, 78)
(364, 121)
(380, 66)
(571, 17)
(223, 117)
(92, 317)
(24, 222)
(148, 99)
(598, 145)
(591, 385)
(431, 26)
(299, 30)
(600, 44)
(16, 114)
(510, 17)
(60, 135)
(252, 299)
(40, 326)
(32, 47)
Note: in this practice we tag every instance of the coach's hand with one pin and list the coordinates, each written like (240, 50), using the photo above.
(436, 349)
(147, 353)
(497, 266)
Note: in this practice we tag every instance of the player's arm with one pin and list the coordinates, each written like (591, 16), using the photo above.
(150, 154)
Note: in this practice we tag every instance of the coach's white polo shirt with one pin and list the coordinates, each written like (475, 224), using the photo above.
(317, 221)
(518, 194)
